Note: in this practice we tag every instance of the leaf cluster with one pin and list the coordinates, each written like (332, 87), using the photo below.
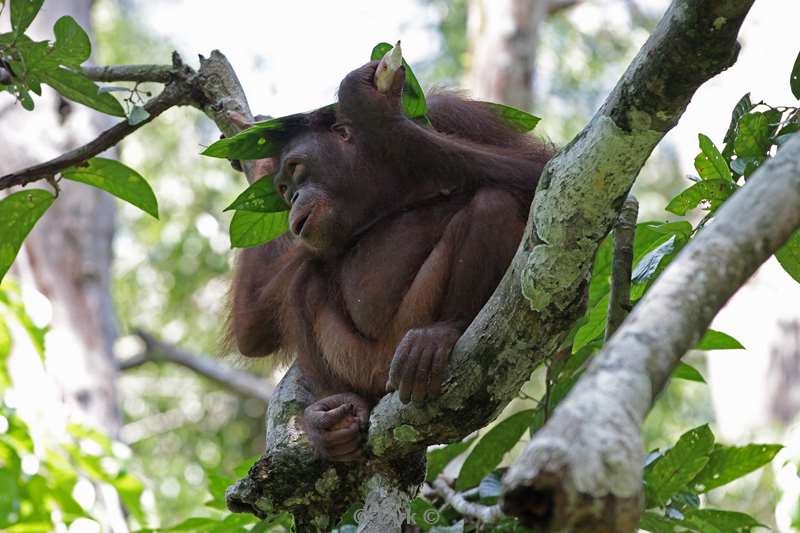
(56, 63)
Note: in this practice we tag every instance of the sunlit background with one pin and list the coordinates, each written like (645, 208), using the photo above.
(170, 276)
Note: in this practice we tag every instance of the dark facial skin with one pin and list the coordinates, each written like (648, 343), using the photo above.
(398, 235)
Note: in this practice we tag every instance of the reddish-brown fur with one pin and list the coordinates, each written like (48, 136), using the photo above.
(404, 232)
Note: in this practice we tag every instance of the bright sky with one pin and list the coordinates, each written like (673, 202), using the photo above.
(290, 55)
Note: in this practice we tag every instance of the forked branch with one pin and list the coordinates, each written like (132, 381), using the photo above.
(543, 292)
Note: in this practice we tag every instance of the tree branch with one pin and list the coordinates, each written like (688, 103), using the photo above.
(543, 292)
(619, 299)
(587, 461)
(214, 89)
(488, 514)
(176, 93)
(240, 382)
(137, 73)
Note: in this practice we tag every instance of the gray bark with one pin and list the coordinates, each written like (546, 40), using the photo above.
(542, 294)
(503, 36)
(619, 296)
(587, 461)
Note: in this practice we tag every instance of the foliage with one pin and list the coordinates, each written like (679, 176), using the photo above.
(675, 478)
(117, 179)
(18, 213)
(55, 63)
(39, 482)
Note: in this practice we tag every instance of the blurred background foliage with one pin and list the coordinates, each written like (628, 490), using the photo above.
(184, 434)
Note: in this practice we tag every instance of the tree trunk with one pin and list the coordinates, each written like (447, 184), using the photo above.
(503, 36)
(68, 255)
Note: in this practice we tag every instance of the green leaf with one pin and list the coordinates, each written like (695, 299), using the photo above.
(601, 270)
(517, 118)
(458, 527)
(198, 525)
(9, 493)
(491, 448)
(5, 351)
(713, 191)
(81, 89)
(753, 138)
(130, 490)
(648, 265)
(687, 372)
(118, 179)
(709, 163)
(257, 141)
(24, 98)
(22, 14)
(648, 237)
(72, 46)
(439, 458)
(745, 166)
(414, 105)
(249, 228)
(425, 515)
(678, 466)
(261, 197)
(138, 115)
(794, 78)
(594, 327)
(742, 107)
(18, 213)
(243, 468)
(728, 463)
(716, 340)
(655, 523)
(789, 256)
(714, 520)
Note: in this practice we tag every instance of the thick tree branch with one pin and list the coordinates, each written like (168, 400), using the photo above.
(205, 365)
(619, 299)
(587, 461)
(536, 304)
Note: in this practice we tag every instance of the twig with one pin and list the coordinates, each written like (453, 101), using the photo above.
(206, 365)
(619, 299)
(137, 73)
(488, 514)
(153, 425)
(174, 94)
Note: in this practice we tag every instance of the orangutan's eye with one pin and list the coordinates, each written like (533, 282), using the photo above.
(341, 129)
